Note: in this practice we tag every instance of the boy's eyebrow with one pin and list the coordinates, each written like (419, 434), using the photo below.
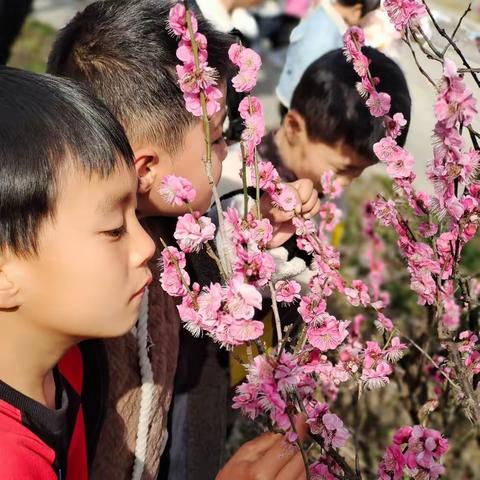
(109, 204)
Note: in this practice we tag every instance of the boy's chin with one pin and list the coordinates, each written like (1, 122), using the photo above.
(204, 205)
(121, 327)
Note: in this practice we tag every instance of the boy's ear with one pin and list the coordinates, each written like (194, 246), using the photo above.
(9, 291)
(294, 125)
(146, 163)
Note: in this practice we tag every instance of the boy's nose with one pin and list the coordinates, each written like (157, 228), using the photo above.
(145, 245)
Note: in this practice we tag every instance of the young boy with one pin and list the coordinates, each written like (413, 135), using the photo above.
(318, 33)
(328, 126)
(122, 51)
(73, 266)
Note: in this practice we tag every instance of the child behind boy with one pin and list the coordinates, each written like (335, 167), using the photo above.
(328, 126)
(73, 266)
(122, 52)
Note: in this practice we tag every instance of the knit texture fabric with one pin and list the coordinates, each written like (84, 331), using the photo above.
(115, 451)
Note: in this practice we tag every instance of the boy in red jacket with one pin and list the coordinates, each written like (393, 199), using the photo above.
(73, 266)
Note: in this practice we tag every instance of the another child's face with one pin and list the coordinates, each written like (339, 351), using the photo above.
(315, 158)
(91, 270)
(188, 162)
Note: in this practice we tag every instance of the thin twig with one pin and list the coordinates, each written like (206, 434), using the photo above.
(454, 33)
(276, 313)
(434, 49)
(473, 403)
(468, 70)
(244, 181)
(473, 137)
(257, 186)
(429, 55)
(434, 363)
(444, 34)
(300, 446)
(211, 253)
(356, 406)
(420, 68)
(208, 145)
(347, 470)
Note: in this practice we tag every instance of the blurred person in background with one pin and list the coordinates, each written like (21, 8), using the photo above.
(318, 33)
(12, 15)
(231, 16)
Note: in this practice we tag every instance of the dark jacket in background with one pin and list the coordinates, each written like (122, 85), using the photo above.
(12, 16)
(197, 419)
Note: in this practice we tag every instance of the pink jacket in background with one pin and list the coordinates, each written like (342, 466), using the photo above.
(297, 8)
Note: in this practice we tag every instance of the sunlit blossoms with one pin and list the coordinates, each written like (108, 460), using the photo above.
(192, 231)
(176, 190)
(404, 13)
(196, 78)
(248, 63)
(415, 452)
(315, 361)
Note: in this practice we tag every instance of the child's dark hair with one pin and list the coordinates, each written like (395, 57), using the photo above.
(367, 5)
(328, 100)
(48, 124)
(125, 55)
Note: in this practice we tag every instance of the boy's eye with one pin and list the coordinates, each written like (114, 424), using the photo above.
(116, 233)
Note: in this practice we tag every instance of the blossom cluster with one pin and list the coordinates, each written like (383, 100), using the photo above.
(405, 13)
(416, 452)
(431, 261)
(224, 312)
(272, 381)
(452, 165)
(348, 355)
(248, 62)
(470, 351)
(322, 352)
(196, 78)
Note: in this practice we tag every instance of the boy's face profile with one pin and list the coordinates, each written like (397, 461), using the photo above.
(89, 274)
(309, 158)
(187, 162)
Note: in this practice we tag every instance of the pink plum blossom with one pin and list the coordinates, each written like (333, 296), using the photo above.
(212, 96)
(404, 12)
(287, 291)
(394, 125)
(193, 231)
(358, 294)
(286, 198)
(329, 335)
(379, 104)
(377, 377)
(395, 351)
(383, 323)
(176, 190)
(242, 299)
(245, 330)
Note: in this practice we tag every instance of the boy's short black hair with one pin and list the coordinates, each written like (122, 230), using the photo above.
(328, 100)
(46, 125)
(122, 51)
(367, 5)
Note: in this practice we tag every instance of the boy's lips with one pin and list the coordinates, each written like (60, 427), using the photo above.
(145, 284)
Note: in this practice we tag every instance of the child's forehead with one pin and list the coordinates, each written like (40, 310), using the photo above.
(106, 191)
